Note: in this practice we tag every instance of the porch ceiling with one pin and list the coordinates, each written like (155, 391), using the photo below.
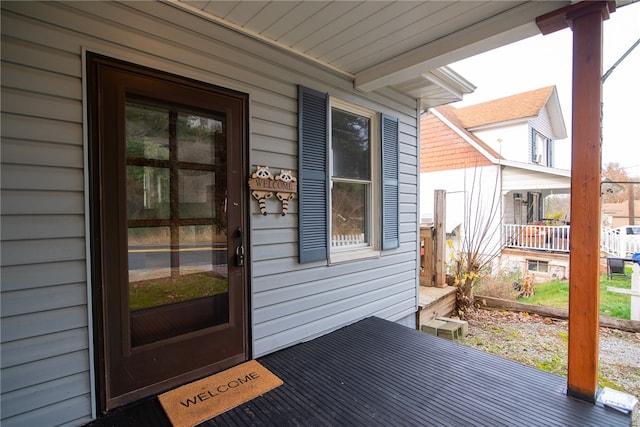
(404, 45)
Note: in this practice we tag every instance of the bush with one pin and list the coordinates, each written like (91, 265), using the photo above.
(505, 285)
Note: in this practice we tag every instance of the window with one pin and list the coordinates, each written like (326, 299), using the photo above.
(348, 179)
(541, 149)
(536, 266)
(353, 190)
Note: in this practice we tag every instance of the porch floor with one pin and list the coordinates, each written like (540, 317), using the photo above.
(376, 372)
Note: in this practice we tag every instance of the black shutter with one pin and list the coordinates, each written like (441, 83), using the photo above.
(313, 179)
(533, 145)
(390, 187)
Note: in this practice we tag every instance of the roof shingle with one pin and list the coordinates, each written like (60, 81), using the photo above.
(519, 106)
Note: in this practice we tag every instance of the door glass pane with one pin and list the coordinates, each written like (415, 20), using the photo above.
(349, 214)
(197, 193)
(147, 131)
(149, 266)
(176, 206)
(148, 192)
(203, 249)
(196, 138)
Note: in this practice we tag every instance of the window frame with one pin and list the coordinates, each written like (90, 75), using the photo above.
(538, 263)
(541, 146)
(373, 202)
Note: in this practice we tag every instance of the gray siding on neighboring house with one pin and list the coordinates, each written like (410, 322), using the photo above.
(46, 351)
(542, 123)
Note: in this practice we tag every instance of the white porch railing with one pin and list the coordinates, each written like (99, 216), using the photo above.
(537, 237)
(618, 244)
(556, 238)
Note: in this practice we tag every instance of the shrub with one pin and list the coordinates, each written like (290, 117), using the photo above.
(505, 285)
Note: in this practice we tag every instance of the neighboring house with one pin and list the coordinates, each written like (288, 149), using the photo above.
(130, 134)
(496, 162)
(616, 215)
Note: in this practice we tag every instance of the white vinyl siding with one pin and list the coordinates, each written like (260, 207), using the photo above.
(46, 312)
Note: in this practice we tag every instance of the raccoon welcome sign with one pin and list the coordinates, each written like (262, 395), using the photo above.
(263, 185)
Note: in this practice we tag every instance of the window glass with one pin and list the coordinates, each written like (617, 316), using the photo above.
(349, 214)
(538, 266)
(351, 152)
(351, 184)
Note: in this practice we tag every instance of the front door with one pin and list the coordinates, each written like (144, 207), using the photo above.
(167, 199)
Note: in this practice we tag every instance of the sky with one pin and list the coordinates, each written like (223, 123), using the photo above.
(542, 61)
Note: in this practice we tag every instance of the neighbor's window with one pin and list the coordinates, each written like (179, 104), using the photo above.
(537, 266)
(353, 142)
(542, 149)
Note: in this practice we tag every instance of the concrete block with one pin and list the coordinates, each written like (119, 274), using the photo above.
(449, 331)
(464, 325)
(432, 326)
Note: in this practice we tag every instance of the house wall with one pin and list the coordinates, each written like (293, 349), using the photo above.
(47, 371)
(442, 149)
(507, 140)
(514, 260)
(542, 123)
(513, 140)
(471, 191)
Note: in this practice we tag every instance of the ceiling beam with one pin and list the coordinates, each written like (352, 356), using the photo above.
(561, 18)
(483, 36)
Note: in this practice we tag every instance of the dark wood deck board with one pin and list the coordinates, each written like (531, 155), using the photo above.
(376, 372)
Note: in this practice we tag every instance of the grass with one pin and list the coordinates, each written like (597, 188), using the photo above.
(154, 292)
(556, 294)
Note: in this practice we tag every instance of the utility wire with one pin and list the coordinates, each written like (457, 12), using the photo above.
(604, 77)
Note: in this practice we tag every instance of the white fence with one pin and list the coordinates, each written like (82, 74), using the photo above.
(614, 242)
(338, 240)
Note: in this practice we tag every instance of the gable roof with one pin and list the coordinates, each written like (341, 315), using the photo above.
(520, 106)
(451, 114)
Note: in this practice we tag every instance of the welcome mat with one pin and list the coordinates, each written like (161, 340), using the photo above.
(204, 399)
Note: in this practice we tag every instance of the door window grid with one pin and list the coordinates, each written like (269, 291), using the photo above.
(171, 190)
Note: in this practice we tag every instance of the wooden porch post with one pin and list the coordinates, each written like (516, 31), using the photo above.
(585, 19)
(586, 151)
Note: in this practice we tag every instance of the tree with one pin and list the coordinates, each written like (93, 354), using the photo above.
(615, 173)
(628, 188)
(481, 241)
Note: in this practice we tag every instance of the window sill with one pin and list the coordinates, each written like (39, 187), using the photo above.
(340, 256)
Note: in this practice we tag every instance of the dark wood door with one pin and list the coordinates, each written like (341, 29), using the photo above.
(168, 195)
